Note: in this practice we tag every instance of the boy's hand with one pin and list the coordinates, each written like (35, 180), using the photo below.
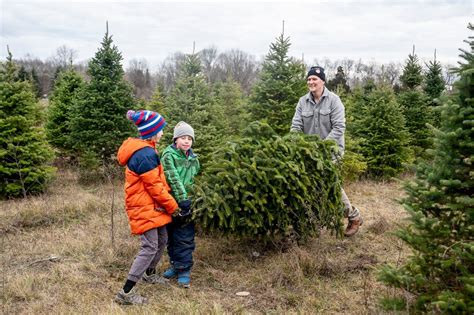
(185, 214)
(185, 207)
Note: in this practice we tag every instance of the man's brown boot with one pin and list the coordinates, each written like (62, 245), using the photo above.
(353, 227)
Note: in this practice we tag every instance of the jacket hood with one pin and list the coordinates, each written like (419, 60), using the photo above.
(129, 147)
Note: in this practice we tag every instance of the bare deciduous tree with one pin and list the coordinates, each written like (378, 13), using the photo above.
(64, 57)
(169, 69)
(449, 76)
(239, 65)
(139, 76)
(392, 72)
(208, 58)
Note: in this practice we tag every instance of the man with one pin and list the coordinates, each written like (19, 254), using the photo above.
(321, 112)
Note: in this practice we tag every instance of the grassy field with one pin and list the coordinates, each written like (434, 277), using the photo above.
(57, 257)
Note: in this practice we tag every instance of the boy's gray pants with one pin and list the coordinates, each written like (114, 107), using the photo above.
(153, 243)
(352, 213)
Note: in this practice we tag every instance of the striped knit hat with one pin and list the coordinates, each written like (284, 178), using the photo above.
(148, 123)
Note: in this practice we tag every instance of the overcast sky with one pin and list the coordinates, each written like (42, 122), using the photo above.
(380, 31)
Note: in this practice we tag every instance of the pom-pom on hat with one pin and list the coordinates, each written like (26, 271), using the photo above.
(317, 71)
(148, 123)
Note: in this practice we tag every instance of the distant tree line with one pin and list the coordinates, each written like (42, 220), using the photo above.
(217, 66)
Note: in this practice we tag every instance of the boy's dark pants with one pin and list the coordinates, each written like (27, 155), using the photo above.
(181, 244)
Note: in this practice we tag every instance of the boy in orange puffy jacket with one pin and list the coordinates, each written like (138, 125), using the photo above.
(148, 201)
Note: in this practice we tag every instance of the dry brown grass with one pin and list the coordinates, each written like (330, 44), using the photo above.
(57, 257)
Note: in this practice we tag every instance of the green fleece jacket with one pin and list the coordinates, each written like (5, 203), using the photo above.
(180, 169)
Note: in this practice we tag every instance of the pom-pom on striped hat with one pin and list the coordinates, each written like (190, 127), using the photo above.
(148, 123)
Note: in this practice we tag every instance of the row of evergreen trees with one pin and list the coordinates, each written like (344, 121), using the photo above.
(385, 130)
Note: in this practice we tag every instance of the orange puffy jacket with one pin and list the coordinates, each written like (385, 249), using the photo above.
(148, 201)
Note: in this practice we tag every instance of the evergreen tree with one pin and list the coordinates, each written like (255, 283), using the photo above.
(415, 106)
(379, 126)
(270, 187)
(24, 153)
(23, 75)
(147, 79)
(411, 76)
(98, 124)
(353, 162)
(231, 101)
(191, 101)
(339, 82)
(35, 82)
(57, 73)
(281, 84)
(58, 126)
(417, 115)
(157, 101)
(440, 201)
(32, 77)
(433, 86)
(434, 83)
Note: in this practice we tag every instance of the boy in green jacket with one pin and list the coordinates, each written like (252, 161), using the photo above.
(181, 165)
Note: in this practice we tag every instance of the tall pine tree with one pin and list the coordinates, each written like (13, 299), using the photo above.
(411, 76)
(433, 79)
(191, 101)
(415, 105)
(434, 86)
(98, 125)
(281, 84)
(25, 156)
(440, 201)
(58, 126)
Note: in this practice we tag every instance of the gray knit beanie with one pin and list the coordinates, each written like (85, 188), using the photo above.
(183, 129)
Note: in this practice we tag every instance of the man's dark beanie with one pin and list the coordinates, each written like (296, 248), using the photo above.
(317, 71)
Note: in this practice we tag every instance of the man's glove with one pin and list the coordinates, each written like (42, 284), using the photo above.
(185, 207)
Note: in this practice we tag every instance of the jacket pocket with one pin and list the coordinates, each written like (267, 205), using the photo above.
(308, 119)
(324, 116)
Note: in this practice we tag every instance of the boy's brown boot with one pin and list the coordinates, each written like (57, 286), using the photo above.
(353, 226)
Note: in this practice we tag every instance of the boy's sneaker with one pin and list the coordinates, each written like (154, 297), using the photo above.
(155, 279)
(130, 298)
(184, 278)
(170, 273)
